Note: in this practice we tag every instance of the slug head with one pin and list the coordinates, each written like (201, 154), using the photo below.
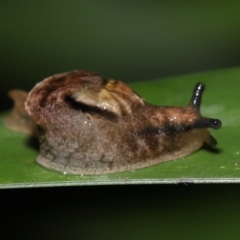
(203, 122)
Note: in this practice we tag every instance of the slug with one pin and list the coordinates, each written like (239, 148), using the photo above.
(88, 124)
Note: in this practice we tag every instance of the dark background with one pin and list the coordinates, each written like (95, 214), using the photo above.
(127, 40)
(132, 41)
(122, 212)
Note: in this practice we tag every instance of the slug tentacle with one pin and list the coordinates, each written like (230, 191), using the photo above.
(88, 124)
(195, 103)
(210, 141)
(215, 123)
(203, 122)
(197, 96)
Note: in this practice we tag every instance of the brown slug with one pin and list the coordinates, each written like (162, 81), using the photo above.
(88, 124)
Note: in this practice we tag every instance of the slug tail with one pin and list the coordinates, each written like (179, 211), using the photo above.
(18, 119)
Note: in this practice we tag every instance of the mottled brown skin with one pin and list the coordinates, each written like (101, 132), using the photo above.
(88, 124)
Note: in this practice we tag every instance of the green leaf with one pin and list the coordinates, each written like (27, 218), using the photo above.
(19, 169)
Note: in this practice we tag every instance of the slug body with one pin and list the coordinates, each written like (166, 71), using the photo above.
(88, 124)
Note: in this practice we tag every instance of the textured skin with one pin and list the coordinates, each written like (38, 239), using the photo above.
(88, 124)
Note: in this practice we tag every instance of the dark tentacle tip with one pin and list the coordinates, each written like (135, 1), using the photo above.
(197, 96)
(203, 122)
(215, 123)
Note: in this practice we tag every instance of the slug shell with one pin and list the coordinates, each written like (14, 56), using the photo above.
(88, 124)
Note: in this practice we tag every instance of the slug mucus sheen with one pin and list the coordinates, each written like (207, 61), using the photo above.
(88, 124)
